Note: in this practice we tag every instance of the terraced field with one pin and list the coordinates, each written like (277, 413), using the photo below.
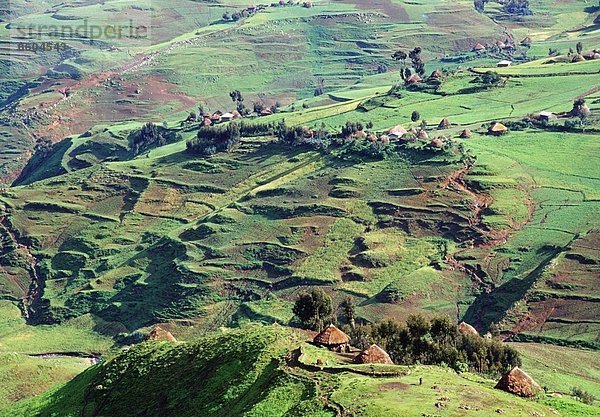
(99, 242)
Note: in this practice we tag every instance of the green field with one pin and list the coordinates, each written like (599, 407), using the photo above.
(98, 242)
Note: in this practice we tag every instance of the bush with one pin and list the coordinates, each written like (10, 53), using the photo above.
(147, 136)
(582, 395)
(213, 139)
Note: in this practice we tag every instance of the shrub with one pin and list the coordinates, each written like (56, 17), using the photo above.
(582, 395)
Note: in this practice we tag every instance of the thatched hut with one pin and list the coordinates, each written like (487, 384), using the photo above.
(413, 79)
(497, 129)
(332, 338)
(422, 134)
(526, 41)
(373, 354)
(478, 48)
(519, 383)
(437, 143)
(159, 334)
(444, 124)
(396, 132)
(580, 109)
(359, 135)
(466, 328)
(577, 58)
(465, 134)
(437, 74)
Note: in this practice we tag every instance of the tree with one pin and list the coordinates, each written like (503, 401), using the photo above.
(258, 107)
(320, 89)
(415, 116)
(479, 5)
(417, 62)
(517, 7)
(226, 17)
(490, 78)
(236, 97)
(313, 308)
(401, 56)
(348, 311)
(579, 48)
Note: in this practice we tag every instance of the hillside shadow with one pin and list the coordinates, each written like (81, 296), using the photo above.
(491, 307)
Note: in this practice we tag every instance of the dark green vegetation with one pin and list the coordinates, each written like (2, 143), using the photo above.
(437, 342)
(128, 215)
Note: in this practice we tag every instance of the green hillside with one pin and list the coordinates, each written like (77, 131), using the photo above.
(120, 210)
(260, 379)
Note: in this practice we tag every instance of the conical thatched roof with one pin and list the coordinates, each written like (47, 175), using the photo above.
(444, 124)
(414, 79)
(360, 135)
(497, 128)
(578, 58)
(466, 328)
(465, 134)
(331, 336)
(397, 131)
(436, 74)
(160, 334)
(479, 47)
(437, 143)
(526, 41)
(422, 134)
(373, 354)
(519, 383)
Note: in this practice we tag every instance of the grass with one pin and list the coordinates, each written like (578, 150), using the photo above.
(325, 262)
(561, 368)
(79, 335)
(254, 383)
(165, 236)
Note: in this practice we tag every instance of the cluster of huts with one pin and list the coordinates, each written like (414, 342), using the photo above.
(209, 119)
(336, 340)
(416, 78)
(400, 134)
(506, 45)
(516, 381)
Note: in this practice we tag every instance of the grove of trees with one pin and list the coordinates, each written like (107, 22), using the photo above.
(436, 341)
